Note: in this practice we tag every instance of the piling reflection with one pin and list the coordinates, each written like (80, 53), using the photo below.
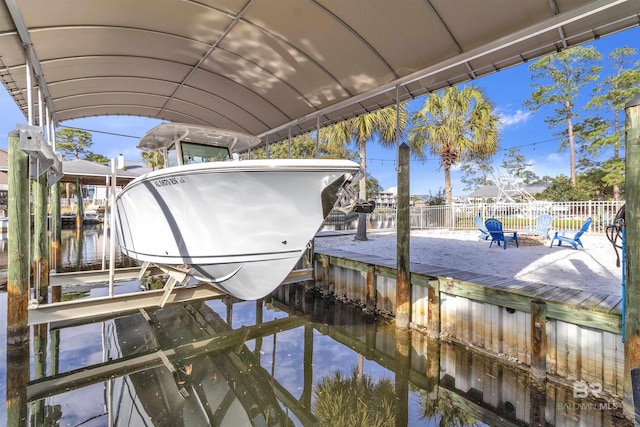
(295, 359)
(83, 248)
(17, 378)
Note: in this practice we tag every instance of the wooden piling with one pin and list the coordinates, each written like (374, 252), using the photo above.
(40, 239)
(538, 340)
(403, 280)
(371, 289)
(18, 235)
(17, 284)
(55, 251)
(632, 228)
(433, 308)
(79, 204)
(326, 276)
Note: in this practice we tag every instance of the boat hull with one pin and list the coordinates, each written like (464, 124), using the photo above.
(240, 225)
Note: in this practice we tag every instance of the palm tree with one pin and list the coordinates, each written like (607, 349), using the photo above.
(153, 159)
(356, 400)
(384, 123)
(455, 125)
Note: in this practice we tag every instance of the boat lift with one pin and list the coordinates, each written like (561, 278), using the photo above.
(176, 289)
(42, 158)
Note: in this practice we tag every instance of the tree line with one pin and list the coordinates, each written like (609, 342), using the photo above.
(459, 126)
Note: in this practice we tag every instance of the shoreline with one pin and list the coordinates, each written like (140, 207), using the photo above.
(590, 269)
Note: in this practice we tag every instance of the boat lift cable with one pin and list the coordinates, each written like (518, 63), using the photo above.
(616, 232)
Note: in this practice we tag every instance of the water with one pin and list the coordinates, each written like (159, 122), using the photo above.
(293, 359)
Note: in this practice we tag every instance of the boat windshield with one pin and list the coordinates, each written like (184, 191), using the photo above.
(197, 153)
(172, 156)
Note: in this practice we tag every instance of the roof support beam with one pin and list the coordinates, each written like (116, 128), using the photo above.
(32, 58)
(554, 9)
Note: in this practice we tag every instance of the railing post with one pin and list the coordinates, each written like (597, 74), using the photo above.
(453, 217)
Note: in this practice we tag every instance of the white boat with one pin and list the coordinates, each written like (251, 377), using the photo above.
(241, 225)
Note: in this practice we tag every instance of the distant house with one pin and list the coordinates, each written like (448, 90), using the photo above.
(91, 175)
(386, 199)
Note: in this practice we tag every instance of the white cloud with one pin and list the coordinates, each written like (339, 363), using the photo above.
(556, 158)
(513, 119)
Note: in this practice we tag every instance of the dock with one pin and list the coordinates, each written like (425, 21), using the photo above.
(494, 315)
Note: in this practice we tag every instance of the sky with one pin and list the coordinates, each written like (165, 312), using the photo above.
(507, 90)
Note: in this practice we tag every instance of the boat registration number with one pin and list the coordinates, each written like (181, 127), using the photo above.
(168, 181)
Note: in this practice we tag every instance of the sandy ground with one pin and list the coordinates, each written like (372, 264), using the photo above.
(592, 268)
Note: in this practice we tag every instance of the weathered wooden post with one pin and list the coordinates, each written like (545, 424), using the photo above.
(403, 278)
(326, 275)
(371, 289)
(538, 370)
(632, 224)
(55, 252)
(17, 283)
(40, 239)
(433, 308)
(79, 204)
(18, 235)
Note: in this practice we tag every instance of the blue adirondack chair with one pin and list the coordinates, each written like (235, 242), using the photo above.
(542, 226)
(572, 240)
(484, 233)
(498, 234)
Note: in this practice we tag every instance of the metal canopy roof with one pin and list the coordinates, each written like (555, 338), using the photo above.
(268, 67)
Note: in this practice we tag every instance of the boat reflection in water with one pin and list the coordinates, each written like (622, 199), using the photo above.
(294, 359)
(226, 386)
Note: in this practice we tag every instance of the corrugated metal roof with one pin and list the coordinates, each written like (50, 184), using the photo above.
(95, 173)
(267, 67)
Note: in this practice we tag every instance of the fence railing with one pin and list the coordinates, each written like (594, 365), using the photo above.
(514, 216)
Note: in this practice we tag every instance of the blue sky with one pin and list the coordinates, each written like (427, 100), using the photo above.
(507, 89)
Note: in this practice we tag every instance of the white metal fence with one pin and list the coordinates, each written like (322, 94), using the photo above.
(514, 216)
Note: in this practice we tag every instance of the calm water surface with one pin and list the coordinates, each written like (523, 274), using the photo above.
(293, 359)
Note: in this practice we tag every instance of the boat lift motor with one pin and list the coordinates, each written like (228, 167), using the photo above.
(348, 200)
